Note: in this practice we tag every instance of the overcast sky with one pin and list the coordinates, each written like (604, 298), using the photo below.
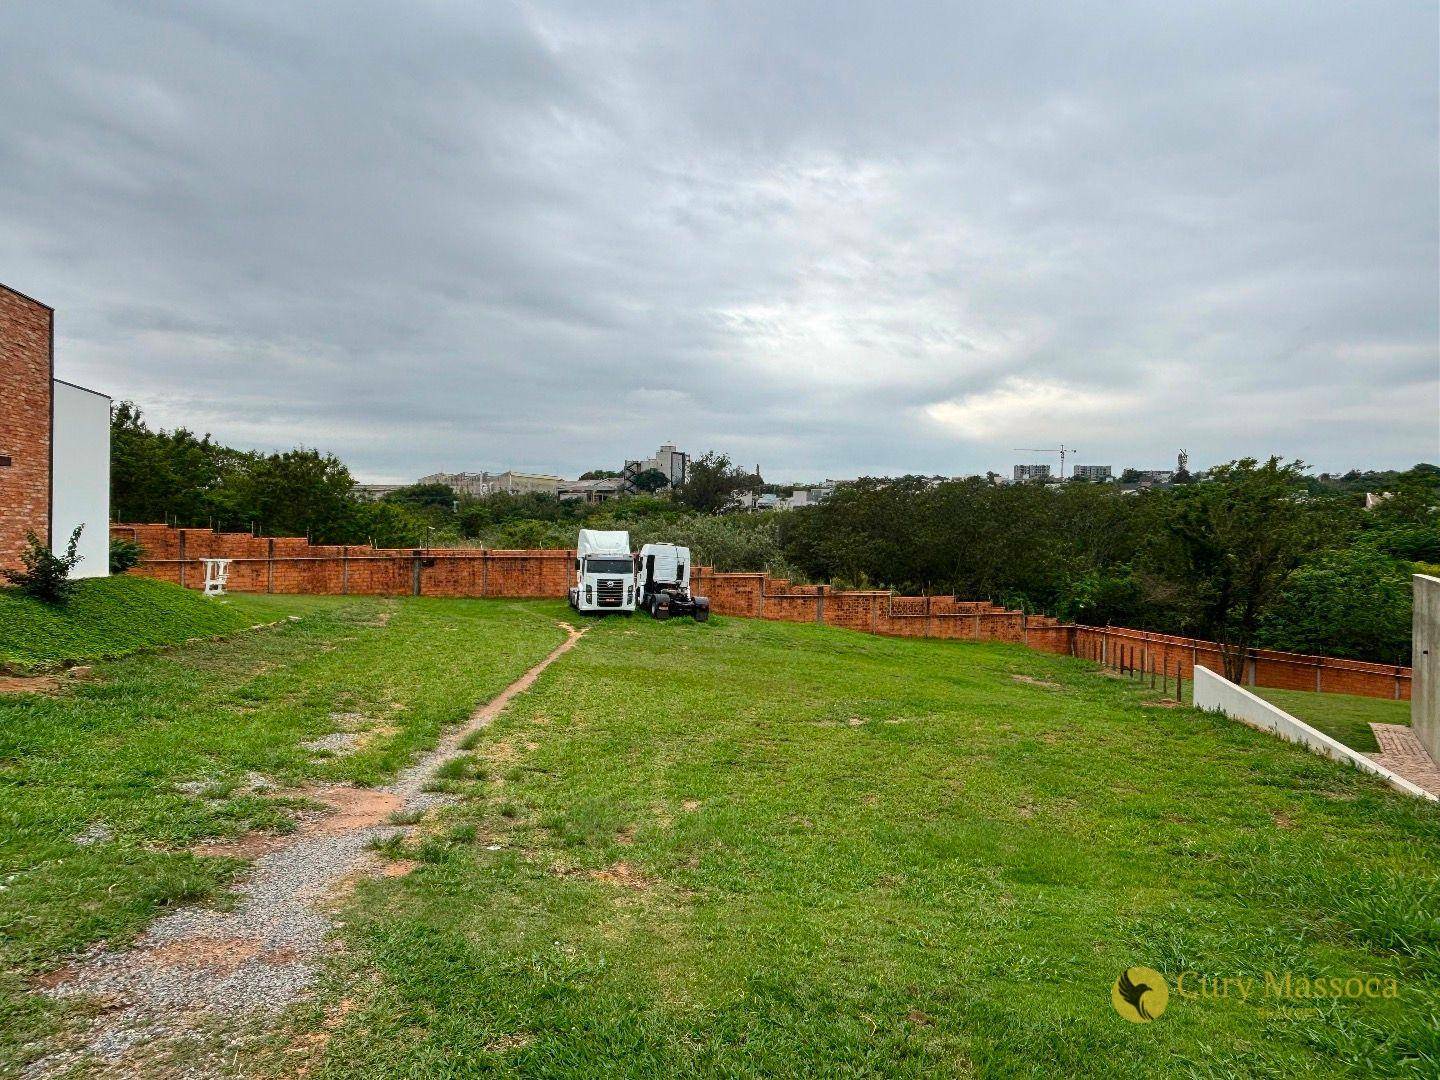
(832, 239)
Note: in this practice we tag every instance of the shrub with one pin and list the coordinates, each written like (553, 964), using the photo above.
(46, 575)
(123, 555)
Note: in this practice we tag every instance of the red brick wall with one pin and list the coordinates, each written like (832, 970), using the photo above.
(292, 565)
(1263, 667)
(26, 371)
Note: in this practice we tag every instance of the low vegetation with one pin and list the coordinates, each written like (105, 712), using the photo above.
(737, 848)
(746, 849)
(110, 781)
(105, 617)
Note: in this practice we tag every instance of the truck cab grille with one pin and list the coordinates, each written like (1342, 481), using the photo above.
(610, 592)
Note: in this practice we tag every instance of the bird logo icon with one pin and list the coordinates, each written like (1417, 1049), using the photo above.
(1140, 995)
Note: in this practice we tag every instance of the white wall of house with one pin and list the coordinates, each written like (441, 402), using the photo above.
(80, 494)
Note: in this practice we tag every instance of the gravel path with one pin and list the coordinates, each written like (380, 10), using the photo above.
(198, 965)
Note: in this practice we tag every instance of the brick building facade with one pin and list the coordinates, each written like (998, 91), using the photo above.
(27, 362)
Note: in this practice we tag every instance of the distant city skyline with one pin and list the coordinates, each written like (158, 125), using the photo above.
(837, 240)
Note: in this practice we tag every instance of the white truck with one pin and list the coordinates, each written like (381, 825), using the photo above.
(662, 582)
(604, 572)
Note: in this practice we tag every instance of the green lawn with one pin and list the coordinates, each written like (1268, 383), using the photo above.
(746, 849)
(1341, 716)
(158, 751)
(116, 615)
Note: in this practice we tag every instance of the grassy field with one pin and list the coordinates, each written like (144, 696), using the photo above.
(1341, 716)
(105, 786)
(744, 848)
(117, 615)
(739, 849)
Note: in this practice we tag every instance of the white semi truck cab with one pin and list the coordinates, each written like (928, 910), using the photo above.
(604, 572)
(663, 580)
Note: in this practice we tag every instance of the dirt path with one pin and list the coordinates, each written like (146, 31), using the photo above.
(199, 966)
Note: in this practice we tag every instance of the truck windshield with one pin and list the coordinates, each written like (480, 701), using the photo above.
(608, 566)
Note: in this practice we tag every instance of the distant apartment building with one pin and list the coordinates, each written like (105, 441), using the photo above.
(481, 485)
(1156, 476)
(1092, 472)
(670, 462)
(1024, 473)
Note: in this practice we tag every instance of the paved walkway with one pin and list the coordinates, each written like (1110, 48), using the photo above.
(1401, 750)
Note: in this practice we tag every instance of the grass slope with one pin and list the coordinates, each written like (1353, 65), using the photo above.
(1341, 716)
(116, 615)
(158, 751)
(747, 848)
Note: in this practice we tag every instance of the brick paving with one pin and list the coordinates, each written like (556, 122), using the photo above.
(1401, 750)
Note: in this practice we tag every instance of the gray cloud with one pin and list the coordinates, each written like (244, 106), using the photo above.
(833, 239)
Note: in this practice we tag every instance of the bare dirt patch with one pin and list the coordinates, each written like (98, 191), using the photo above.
(350, 809)
(219, 956)
(29, 684)
(624, 874)
(248, 847)
(506, 1043)
(1030, 680)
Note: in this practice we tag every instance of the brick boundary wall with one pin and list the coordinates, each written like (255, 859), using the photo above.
(293, 565)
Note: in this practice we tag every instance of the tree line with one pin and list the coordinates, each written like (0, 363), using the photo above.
(1249, 553)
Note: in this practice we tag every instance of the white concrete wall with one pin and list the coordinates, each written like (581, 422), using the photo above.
(1425, 664)
(1215, 693)
(81, 493)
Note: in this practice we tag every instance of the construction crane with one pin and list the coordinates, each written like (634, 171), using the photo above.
(1062, 450)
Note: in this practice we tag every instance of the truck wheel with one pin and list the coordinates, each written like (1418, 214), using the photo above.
(661, 612)
(702, 614)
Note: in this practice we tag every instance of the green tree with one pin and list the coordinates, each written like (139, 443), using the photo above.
(650, 481)
(1354, 603)
(712, 482)
(301, 493)
(436, 495)
(163, 475)
(1229, 547)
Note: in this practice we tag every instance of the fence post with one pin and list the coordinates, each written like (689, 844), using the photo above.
(820, 603)
(415, 572)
